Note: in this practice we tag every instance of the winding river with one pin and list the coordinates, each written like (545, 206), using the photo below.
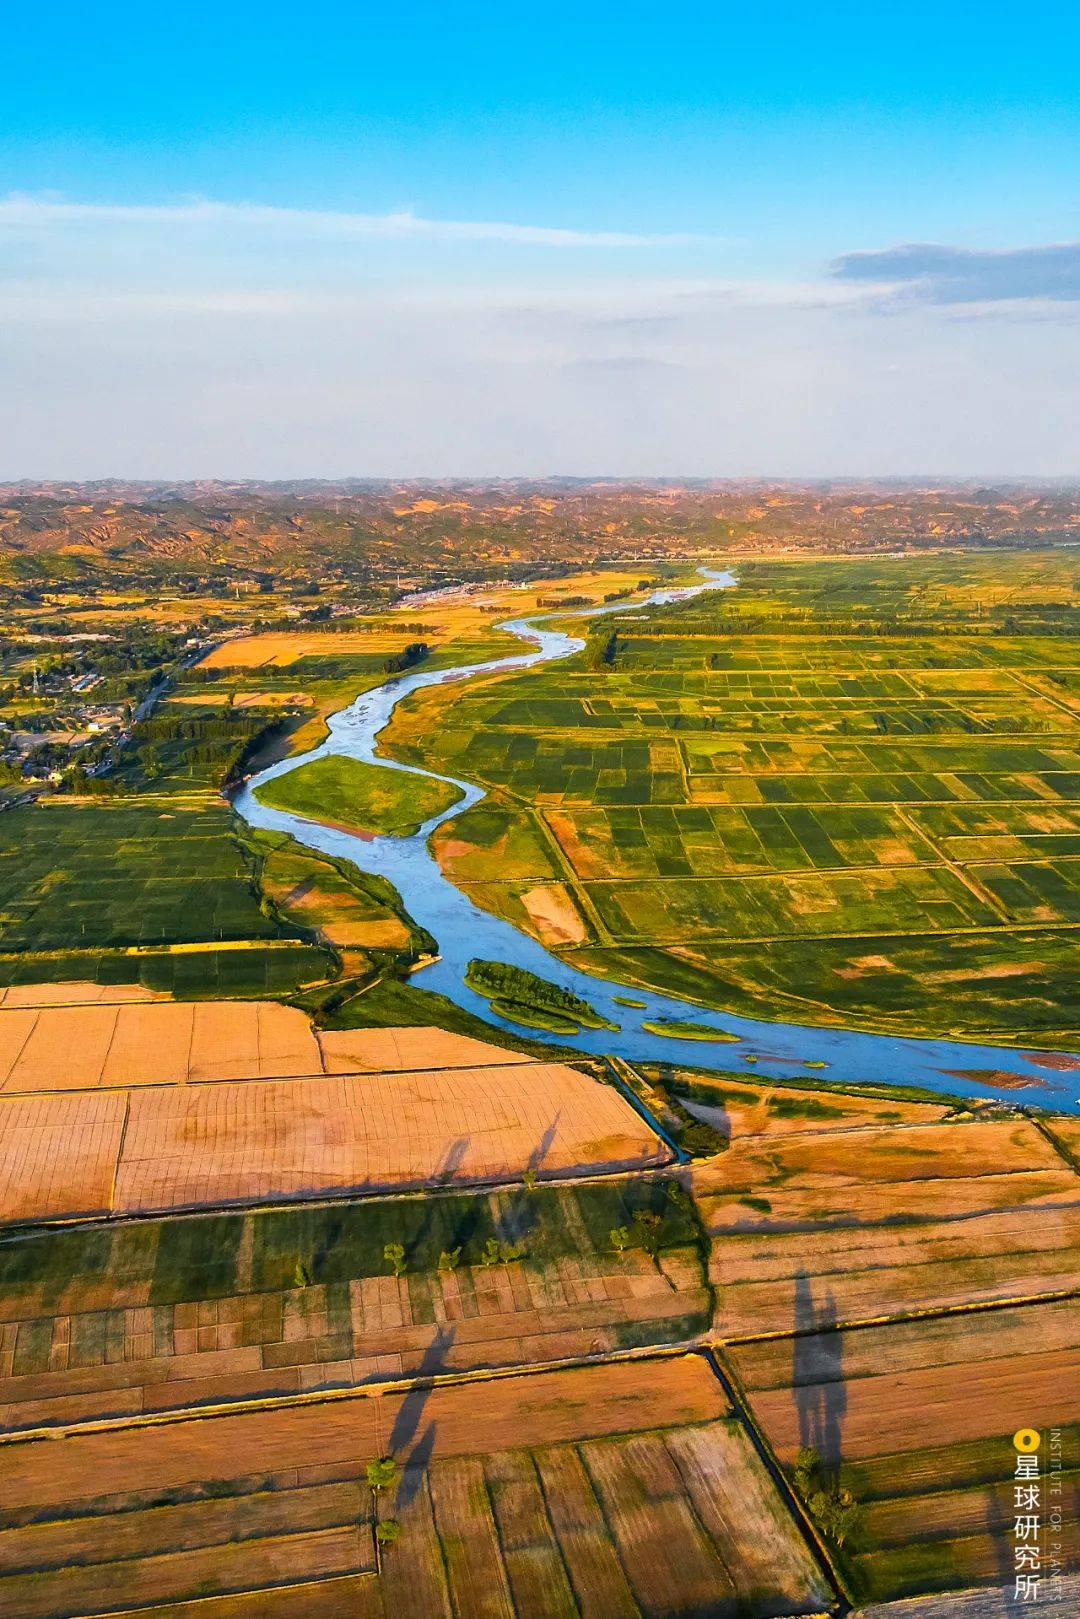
(463, 930)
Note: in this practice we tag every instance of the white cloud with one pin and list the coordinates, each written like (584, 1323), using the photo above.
(37, 213)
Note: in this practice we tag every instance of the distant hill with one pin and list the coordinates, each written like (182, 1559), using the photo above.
(373, 532)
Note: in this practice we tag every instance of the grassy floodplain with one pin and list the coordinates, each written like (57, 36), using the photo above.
(359, 796)
(845, 792)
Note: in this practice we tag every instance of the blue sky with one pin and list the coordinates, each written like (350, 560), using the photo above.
(262, 240)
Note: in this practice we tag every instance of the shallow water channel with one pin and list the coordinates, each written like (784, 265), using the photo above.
(464, 931)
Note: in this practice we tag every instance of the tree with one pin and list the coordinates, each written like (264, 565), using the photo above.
(804, 1468)
(834, 1508)
(620, 1238)
(388, 1530)
(383, 1474)
(301, 1275)
(647, 1231)
(448, 1259)
(394, 1254)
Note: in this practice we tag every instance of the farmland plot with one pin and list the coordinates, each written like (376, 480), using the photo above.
(108, 1322)
(879, 1220)
(917, 790)
(612, 1490)
(919, 1418)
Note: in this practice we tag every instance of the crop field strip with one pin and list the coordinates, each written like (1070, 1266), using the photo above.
(135, 1108)
(940, 1215)
(893, 1286)
(152, 888)
(104, 1321)
(638, 1492)
(921, 1413)
(151, 1149)
(91, 1037)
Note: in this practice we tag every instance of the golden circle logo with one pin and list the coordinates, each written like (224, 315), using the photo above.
(1026, 1440)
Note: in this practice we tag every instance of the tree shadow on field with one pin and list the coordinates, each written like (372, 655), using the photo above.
(518, 1218)
(817, 1375)
(453, 1158)
(410, 1413)
(442, 1177)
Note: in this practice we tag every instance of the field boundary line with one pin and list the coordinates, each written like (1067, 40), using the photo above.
(941, 1312)
(1062, 1148)
(730, 1383)
(577, 886)
(119, 1158)
(641, 1107)
(972, 884)
(355, 1391)
(269, 1586)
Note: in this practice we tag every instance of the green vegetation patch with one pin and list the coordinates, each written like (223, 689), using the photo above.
(545, 1005)
(106, 875)
(685, 1030)
(195, 1257)
(369, 798)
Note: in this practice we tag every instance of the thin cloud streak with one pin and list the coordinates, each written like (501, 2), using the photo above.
(46, 213)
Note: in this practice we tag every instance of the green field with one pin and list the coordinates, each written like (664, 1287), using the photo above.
(169, 1261)
(80, 883)
(365, 797)
(847, 791)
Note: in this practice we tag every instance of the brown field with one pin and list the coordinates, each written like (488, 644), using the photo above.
(282, 649)
(173, 1147)
(886, 1220)
(76, 993)
(161, 1042)
(920, 1417)
(553, 914)
(986, 1604)
(739, 1109)
(397, 1051)
(601, 1491)
(87, 1043)
(272, 699)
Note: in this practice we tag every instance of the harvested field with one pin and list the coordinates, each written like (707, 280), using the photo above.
(991, 1603)
(396, 1051)
(75, 993)
(918, 1417)
(281, 649)
(162, 1042)
(263, 1140)
(935, 1215)
(98, 1041)
(550, 1520)
(522, 1411)
(553, 914)
(272, 699)
(58, 1155)
(739, 1109)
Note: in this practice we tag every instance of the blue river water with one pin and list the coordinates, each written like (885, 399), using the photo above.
(464, 931)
